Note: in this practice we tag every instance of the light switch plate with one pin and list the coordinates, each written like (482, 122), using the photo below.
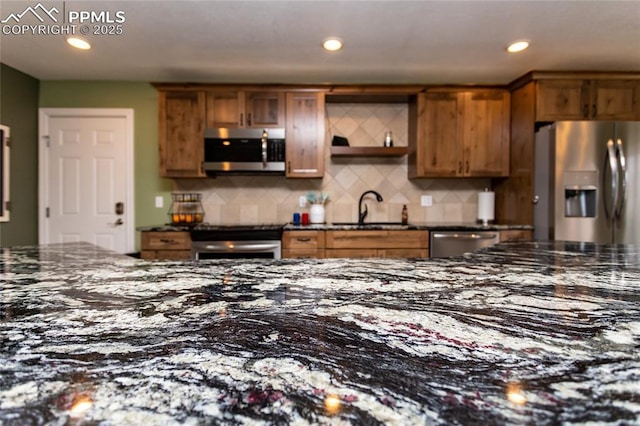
(302, 202)
(426, 201)
(159, 202)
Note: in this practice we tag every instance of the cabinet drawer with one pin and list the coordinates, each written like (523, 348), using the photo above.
(389, 239)
(166, 241)
(303, 240)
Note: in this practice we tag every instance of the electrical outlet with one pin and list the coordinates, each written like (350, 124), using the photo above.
(302, 202)
(426, 201)
(159, 202)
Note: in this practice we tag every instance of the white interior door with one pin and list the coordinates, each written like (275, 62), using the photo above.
(86, 177)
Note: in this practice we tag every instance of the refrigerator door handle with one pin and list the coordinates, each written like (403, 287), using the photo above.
(622, 162)
(610, 162)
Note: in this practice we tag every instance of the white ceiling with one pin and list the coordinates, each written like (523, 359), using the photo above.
(424, 42)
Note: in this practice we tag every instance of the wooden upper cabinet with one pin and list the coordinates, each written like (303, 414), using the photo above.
(615, 99)
(265, 109)
(561, 100)
(305, 138)
(181, 132)
(576, 99)
(437, 139)
(461, 134)
(225, 109)
(234, 109)
(485, 133)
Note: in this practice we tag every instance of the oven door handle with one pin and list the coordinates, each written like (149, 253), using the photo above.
(221, 248)
(462, 236)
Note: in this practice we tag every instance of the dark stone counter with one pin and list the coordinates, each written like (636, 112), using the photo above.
(519, 333)
(448, 226)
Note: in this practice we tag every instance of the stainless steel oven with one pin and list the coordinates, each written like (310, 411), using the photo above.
(265, 249)
(236, 242)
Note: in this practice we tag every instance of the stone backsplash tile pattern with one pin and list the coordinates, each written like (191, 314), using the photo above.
(274, 199)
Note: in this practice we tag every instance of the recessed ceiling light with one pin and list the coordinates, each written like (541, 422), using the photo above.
(518, 46)
(78, 43)
(332, 44)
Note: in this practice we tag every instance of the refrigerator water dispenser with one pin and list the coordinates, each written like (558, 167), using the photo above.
(580, 202)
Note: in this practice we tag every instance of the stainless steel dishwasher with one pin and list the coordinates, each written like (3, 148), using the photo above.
(456, 243)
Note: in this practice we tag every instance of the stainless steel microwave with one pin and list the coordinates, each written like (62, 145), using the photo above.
(248, 151)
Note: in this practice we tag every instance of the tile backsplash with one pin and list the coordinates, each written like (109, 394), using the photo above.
(274, 199)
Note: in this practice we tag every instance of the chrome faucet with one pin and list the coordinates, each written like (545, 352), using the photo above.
(363, 214)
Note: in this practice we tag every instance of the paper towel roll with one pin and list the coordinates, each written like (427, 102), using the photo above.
(486, 206)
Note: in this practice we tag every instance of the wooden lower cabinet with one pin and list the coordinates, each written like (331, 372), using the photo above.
(355, 244)
(165, 245)
(303, 244)
(377, 243)
(516, 235)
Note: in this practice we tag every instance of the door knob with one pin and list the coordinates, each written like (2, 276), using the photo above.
(535, 200)
(117, 223)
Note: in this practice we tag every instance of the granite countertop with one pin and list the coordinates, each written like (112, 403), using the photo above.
(518, 333)
(435, 226)
(428, 226)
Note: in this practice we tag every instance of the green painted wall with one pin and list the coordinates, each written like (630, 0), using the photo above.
(143, 99)
(19, 111)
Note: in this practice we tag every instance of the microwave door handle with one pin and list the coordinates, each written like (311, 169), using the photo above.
(622, 163)
(264, 148)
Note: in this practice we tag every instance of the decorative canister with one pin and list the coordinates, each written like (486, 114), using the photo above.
(316, 213)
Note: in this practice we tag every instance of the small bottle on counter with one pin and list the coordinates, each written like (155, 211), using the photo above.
(405, 215)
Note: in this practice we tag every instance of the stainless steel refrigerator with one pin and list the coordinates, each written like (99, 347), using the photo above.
(587, 182)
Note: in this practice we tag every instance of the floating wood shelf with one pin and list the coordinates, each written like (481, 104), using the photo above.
(368, 151)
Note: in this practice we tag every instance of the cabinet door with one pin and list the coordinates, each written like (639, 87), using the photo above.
(485, 133)
(305, 137)
(181, 133)
(437, 152)
(225, 109)
(351, 253)
(562, 100)
(615, 99)
(264, 109)
(516, 235)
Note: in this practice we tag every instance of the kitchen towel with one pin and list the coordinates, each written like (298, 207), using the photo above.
(486, 206)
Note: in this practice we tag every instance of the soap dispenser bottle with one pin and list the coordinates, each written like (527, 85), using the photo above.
(405, 214)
